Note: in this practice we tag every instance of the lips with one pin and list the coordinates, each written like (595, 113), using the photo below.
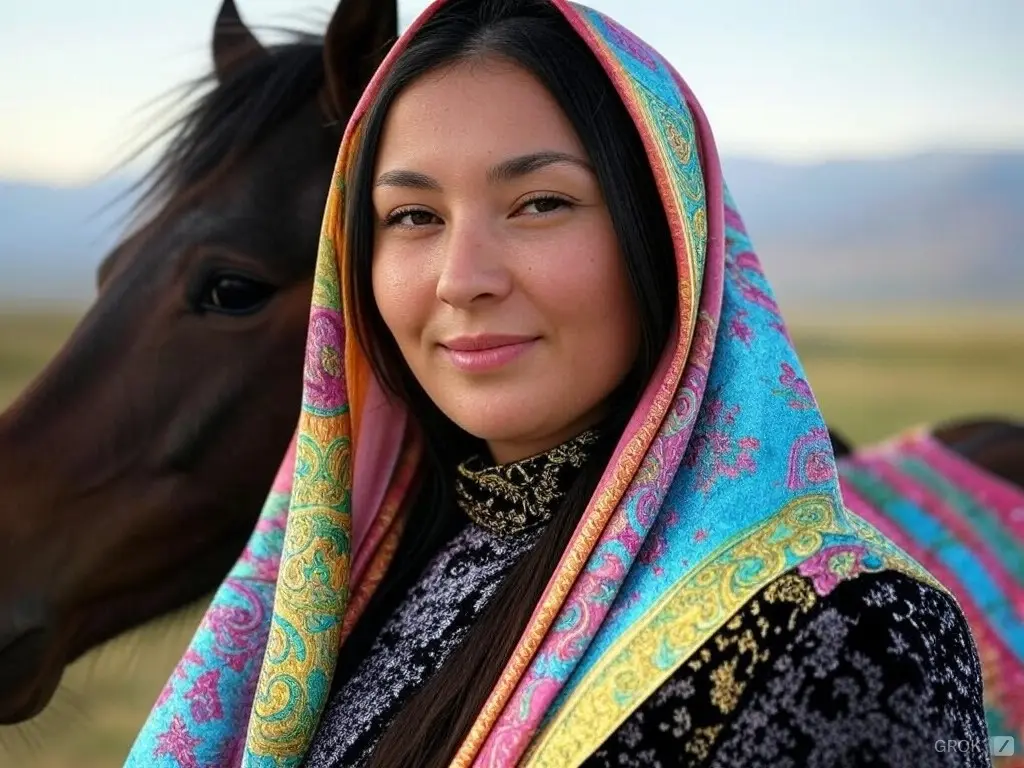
(484, 342)
(486, 352)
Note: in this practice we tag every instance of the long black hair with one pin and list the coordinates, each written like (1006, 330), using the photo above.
(533, 35)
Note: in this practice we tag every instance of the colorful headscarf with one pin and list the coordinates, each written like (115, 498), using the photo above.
(723, 480)
(967, 527)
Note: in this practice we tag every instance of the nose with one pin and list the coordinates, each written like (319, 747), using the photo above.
(26, 686)
(473, 265)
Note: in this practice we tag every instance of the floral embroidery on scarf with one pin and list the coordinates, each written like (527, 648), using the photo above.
(177, 743)
(715, 452)
(834, 565)
(795, 389)
(746, 273)
(236, 629)
(739, 328)
(204, 698)
(324, 370)
(744, 269)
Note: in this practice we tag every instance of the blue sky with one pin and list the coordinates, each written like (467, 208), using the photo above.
(792, 79)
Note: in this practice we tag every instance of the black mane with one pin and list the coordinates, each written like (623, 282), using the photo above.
(224, 120)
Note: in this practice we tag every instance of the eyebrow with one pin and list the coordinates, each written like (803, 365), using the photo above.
(503, 172)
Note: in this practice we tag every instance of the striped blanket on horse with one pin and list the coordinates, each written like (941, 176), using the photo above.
(967, 527)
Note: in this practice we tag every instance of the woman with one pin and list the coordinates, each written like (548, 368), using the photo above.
(561, 496)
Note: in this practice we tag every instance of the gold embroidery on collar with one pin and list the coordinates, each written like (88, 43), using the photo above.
(511, 498)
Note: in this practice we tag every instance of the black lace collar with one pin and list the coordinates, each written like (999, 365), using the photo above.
(508, 499)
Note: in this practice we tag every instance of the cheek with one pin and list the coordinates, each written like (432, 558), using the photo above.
(400, 292)
(612, 329)
(585, 291)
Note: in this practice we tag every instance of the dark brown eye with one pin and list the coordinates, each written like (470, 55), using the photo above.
(233, 294)
(545, 204)
(420, 218)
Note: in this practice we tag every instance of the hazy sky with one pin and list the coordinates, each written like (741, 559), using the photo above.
(794, 79)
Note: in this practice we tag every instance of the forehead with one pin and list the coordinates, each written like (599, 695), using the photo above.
(486, 106)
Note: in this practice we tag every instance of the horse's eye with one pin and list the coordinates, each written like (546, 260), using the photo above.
(233, 294)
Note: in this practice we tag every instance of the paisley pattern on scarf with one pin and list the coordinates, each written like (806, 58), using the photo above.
(682, 522)
(967, 527)
(325, 372)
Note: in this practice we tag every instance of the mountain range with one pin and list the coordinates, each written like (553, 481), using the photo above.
(939, 227)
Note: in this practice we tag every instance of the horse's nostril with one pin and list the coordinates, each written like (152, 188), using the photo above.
(23, 673)
(21, 619)
(25, 636)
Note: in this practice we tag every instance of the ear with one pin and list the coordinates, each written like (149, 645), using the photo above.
(233, 42)
(358, 38)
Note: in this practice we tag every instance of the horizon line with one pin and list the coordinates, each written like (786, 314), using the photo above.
(131, 172)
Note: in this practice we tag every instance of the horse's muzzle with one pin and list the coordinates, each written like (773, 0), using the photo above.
(27, 681)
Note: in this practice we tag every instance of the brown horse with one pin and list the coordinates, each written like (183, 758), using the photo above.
(134, 466)
(183, 381)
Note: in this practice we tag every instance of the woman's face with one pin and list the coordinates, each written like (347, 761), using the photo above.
(496, 267)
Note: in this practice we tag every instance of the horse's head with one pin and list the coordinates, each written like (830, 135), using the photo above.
(133, 468)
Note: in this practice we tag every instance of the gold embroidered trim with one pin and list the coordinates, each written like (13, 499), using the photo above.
(508, 499)
(690, 613)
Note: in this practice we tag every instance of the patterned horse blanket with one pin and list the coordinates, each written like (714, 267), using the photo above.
(966, 526)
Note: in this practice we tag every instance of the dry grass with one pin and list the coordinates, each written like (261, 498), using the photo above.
(27, 341)
(877, 374)
(873, 373)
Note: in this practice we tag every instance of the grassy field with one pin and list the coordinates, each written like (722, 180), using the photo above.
(874, 374)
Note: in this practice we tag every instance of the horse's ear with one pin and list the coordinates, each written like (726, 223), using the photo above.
(358, 38)
(233, 42)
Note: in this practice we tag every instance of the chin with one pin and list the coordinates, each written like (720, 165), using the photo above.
(498, 430)
(496, 418)
(514, 429)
